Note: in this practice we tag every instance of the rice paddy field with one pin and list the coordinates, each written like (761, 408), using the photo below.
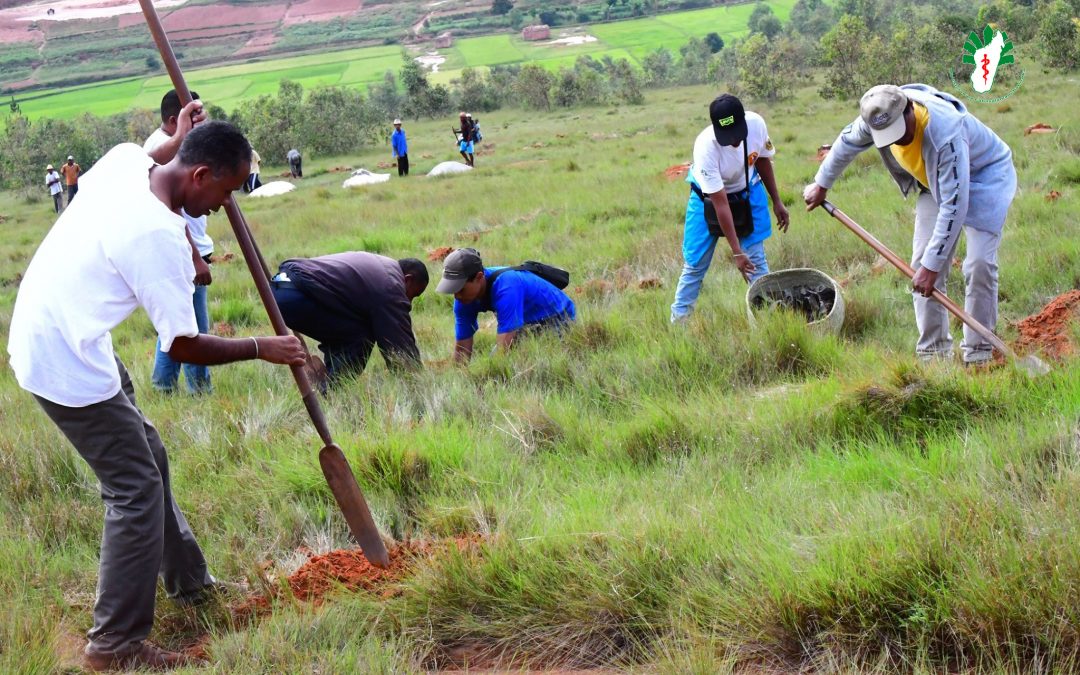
(636, 497)
(228, 85)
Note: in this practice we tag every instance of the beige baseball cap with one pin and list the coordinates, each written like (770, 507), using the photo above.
(882, 108)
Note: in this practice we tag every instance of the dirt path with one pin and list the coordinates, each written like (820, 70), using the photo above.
(419, 25)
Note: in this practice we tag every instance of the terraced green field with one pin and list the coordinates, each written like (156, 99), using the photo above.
(229, 85)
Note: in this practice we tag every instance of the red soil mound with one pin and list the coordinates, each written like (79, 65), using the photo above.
(676, 171)
(347, 569)
(440, 253)
(1049, 330)
(1039, 128)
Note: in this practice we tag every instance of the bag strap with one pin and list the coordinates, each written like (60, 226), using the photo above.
(746, 171)
(746, 163)
(495, 275)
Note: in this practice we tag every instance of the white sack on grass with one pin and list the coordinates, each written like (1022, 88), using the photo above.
(272, 189)
(443, 168)
(362, 177)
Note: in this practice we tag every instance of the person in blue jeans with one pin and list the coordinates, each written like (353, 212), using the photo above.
(522, 301)
(732, 160)
(162, 146)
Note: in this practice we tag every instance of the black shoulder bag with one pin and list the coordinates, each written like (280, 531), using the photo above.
(739, 202)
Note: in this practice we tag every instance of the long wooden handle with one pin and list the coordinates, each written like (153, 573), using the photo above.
(901, 265)
(240, 228)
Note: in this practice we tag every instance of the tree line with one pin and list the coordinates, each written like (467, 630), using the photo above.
(847, 46)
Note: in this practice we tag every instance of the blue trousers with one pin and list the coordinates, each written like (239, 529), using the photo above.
(167, 372)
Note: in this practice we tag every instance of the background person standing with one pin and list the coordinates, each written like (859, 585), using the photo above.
(162, 146)
(253, 183)
(71, 172)
(400, 148)
(52, 181)
(465, 145)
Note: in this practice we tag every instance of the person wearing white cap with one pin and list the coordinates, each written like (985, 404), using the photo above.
(964, 178)
(400, 148)
(71, 172)
(52, 181)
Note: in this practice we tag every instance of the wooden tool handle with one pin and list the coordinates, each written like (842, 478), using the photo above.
(901, 265)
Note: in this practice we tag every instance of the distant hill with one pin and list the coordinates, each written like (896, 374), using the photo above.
(67, 42)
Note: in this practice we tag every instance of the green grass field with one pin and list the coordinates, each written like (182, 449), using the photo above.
(229, 85)
(708, 498)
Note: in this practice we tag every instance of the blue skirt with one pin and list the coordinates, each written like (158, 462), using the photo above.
(697, 240)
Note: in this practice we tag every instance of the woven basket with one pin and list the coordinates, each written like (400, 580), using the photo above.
(774, 281)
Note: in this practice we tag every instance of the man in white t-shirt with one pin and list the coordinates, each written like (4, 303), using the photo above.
(166, 371)
(52, 181)
(731, 173)
(123, 246)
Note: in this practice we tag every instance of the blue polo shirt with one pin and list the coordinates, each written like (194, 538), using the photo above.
(518, 298)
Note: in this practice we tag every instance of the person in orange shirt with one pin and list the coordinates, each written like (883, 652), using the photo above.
(71, 172)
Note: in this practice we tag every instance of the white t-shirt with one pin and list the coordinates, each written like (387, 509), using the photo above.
(115, 248)
(54, 186)
(720, 167)
(197, 226)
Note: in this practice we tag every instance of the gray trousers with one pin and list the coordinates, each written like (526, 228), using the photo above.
(980, 289)
(145, 532)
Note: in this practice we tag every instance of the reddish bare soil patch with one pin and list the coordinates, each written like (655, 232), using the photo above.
(261, 42)
(247, 16)
(320, 10)
(676, 171)
(224, 329)
(223, 258)
(340, 169)
(440, 253)
(1039, 128)
(348, 570)
(210, 34)
(19, 31)
(1049, 330)
(823, 152)
(386, 165)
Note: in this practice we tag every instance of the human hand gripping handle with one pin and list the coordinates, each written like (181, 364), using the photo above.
(282, 349)
(192, 114)
(814, 195)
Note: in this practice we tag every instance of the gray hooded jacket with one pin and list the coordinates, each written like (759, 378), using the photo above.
(969, 168)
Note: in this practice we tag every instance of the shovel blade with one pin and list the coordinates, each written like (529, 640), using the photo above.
(352, 504)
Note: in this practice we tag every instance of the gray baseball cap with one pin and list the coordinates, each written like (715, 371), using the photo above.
(882, 108)
(459, 267)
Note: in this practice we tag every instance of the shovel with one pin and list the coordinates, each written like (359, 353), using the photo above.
(1033, 365)
(335, 467)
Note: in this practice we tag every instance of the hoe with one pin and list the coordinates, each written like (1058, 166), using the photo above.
(335, 467)
(1033, 365)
